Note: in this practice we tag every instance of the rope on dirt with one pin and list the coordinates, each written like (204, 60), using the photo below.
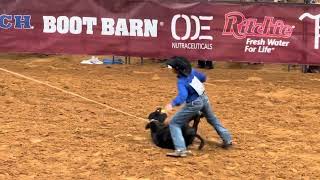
(73, 94)
(210, 84)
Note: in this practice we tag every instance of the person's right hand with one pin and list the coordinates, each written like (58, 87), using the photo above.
(168, 108)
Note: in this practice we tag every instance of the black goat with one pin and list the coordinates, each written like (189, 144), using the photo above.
(160, 133)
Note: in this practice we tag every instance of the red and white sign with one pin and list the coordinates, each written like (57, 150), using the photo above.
(214, 31)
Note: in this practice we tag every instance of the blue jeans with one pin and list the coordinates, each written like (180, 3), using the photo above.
(187, 112)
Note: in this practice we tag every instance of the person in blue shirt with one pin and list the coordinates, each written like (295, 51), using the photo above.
(191, 91)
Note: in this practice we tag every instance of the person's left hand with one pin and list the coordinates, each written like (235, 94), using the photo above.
(167, 121)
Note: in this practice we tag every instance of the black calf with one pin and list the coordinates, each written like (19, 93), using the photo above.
(160, 133)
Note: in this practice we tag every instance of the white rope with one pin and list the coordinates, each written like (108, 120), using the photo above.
(209, 84)
(72, 93)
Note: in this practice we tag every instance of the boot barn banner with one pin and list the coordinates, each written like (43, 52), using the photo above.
(243, 32)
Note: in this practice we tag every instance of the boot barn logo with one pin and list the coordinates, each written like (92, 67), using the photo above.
(240, 27)
(195, 35)
(8, 22)
(109, 26)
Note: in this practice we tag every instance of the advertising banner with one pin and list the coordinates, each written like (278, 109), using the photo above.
(248, 32)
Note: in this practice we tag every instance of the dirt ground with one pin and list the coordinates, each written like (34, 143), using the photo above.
(273, 115)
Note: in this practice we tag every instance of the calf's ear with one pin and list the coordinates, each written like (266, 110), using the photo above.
(148, 126)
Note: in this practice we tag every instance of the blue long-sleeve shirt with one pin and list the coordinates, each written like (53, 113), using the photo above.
(185, 92)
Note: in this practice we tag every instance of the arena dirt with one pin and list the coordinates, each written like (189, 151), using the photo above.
(273, 115)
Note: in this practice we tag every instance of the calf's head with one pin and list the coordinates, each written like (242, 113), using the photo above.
(157, 116)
